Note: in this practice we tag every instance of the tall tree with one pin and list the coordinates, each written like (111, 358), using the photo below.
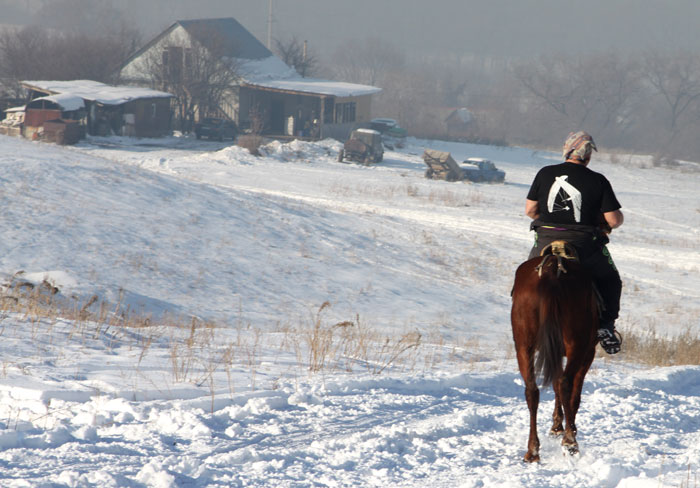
(367, 61)
(676, 78)
(33, 52)
(296, 55)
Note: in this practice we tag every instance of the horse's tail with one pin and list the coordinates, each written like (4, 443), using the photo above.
(550, 345)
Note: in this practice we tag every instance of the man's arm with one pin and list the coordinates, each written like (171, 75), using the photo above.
(614, 218)
(532, 209)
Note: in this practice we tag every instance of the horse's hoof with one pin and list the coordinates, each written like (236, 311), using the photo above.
(556, 432)
(531, 458)
(571, 449)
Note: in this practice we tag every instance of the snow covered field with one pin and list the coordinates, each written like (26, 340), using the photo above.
(253, 247)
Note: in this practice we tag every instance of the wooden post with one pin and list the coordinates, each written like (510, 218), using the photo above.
(321, 116)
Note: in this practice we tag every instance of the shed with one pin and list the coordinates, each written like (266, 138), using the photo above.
(460, 123)
(63, 131)
(102, 109)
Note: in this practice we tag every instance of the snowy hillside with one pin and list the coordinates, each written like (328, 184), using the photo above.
(416, 386)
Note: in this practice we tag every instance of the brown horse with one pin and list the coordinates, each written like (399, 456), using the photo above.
(554, 315)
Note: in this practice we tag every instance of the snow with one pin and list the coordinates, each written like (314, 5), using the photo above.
(271, 72)
(66, 101)
(253, 247)
(261, 70)
(320, 87)
(96, 91)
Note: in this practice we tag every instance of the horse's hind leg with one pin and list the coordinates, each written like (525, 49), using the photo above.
(570, 386)
(532, 396)
(574, 400)
(565, 392)
(557, 416)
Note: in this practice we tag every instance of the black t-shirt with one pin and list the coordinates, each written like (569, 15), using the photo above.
(570, 193)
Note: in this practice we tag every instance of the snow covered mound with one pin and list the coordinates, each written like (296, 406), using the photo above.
(297, 150)
(228, 257)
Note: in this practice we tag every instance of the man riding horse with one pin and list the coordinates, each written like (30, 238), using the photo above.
(570, 202)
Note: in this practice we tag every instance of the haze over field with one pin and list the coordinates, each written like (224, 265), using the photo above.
(493, 28)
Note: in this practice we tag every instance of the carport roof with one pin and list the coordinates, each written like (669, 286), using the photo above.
(313, 86)
(94, 91)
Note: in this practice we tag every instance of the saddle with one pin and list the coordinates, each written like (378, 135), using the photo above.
(564, 251)
(561, 250)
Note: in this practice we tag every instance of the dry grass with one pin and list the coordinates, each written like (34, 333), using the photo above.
(251, 142)
(197, 351)
(648, 347)
(459, 195)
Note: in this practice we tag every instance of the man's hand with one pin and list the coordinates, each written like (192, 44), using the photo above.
(603, 224)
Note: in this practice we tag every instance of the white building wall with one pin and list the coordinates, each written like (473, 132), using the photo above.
(136, 71)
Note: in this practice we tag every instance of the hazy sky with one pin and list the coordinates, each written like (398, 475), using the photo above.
(512, 28)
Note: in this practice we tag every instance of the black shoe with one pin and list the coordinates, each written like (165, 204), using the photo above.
(609, 340)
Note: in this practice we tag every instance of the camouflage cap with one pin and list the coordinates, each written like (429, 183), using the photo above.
(579, 146)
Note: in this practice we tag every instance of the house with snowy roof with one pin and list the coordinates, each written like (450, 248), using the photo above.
(100, 108)
(264, 86)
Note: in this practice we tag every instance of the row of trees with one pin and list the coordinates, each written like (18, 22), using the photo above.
(646, 102)
(38, 53)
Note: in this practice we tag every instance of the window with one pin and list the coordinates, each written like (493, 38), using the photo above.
(173, 63)
(344, 112)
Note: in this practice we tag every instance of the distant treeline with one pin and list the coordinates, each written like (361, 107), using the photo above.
(647, 103)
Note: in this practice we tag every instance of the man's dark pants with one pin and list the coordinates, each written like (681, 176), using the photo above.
(596, 259)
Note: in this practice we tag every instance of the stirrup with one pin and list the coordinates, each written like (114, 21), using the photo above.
(611, 342)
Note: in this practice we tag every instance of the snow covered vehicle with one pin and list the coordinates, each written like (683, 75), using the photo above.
(482, 171)
(364, 146)
(442, 166)
(392, 133)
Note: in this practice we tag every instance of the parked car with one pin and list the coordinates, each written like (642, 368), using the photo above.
(364, 146)
(215, 128)
(482, 171)
(394, 135)
(442, 166)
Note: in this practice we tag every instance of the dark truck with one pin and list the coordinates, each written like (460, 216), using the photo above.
(364, 146)
(215, 128)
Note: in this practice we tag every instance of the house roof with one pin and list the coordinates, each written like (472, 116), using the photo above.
(462, 115)
(237, 41)
(313, 86)
(272, 74)
(94, 91)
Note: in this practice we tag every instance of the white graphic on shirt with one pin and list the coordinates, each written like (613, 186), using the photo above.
(561, 194)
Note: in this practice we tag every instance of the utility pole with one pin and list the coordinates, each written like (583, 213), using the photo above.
(269, 26)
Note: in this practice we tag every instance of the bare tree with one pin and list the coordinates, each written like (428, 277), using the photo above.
(676, 78)
(367, 61)
(295, 54)
(201, 76)
(32, 52)
(20, 49)
(599, 92)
